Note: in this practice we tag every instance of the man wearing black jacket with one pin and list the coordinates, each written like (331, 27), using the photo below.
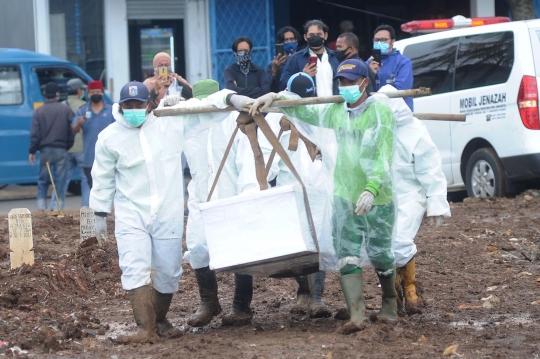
(51, 135)
(244, 77)
(347, 45)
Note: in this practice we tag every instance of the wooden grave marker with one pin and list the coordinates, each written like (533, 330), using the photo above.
(21, 242)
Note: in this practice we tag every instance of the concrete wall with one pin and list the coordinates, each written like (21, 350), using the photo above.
(197, 41)
(116, 46)
(18, 31)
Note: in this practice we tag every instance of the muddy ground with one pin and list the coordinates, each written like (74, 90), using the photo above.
(480, 276)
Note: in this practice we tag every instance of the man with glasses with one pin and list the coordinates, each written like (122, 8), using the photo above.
(394, 69)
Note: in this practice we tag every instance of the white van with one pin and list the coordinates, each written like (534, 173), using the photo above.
(490, 73)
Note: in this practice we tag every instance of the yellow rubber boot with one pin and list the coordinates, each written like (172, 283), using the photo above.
(413, 302)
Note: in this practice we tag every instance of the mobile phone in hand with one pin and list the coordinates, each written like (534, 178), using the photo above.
(312, 60)
(280, 50)
(376, 54)
(163, 72)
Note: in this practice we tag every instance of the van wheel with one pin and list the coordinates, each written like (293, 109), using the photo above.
(485, 174)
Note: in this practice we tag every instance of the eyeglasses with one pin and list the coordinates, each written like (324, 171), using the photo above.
(382, 39)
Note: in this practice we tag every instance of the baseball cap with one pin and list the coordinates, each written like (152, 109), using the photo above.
(95, 85)
(134, 90)
(51, 88)
(301, 84)
(204, 88)
(351, 69)
(75, 84)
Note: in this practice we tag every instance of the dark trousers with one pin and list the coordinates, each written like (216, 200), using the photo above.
(88, 173)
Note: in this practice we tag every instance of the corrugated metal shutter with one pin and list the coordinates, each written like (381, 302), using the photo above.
(155, 9)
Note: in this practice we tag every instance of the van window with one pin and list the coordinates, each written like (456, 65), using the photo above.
(59, 74)
(10, 85)
(433, 64)
(484, 60)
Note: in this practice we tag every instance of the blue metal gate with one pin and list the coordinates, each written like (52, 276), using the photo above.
(232, 18)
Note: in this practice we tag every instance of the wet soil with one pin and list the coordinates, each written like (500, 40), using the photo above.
(479, 274)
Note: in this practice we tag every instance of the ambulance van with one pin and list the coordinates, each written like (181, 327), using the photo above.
(488, 69)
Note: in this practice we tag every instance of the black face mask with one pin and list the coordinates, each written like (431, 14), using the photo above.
(315, 42)
(340, 54)
(96, 98)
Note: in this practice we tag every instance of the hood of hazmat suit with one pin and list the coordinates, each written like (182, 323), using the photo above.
(140, 170)
(204, 153)
(363, 139)
(417, 167)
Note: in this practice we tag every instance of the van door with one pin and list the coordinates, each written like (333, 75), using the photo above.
(483, 66)
(433, 67)
(15, 122)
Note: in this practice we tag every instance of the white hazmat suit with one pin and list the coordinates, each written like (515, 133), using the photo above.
(141, 170)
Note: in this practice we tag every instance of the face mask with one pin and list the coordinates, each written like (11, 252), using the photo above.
(340, 54)
(351, 94)
(315, 42)
(289, 47)
(96, 98)
(84, 96)
(135, 117)
(243, 58)
(383, 46)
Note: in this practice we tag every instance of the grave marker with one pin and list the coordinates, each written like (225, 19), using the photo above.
(21, 241)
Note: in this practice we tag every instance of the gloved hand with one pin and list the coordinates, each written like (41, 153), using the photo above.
(436, 220)
(171, 100)
(100, 225)
(241, 103)
(364, 204)
(262, 103)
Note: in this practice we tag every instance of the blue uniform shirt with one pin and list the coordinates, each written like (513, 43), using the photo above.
(92, 126)
(395, 70)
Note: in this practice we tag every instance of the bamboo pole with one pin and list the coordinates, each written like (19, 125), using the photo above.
(419, 92)
(54, 188)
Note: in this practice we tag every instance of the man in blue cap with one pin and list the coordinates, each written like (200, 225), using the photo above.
(364, 131)
(138, 166)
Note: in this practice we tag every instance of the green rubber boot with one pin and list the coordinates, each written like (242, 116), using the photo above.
(352, 286)
(389, 296)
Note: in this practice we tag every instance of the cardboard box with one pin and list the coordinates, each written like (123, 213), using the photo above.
(263, 234)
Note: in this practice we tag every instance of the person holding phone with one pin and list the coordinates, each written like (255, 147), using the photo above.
(316, 60)
(286, 44)
(245, 77)
(393, 68)
(163, 78)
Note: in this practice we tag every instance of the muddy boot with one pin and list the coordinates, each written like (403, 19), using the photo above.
(162, 302)
(208, 291)
(352, 286)
(316, 305)
(145, 317)
(243, 292)
(302, 295)
(413, 302)
(389, 296)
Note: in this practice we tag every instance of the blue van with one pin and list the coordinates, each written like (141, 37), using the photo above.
(22, 76)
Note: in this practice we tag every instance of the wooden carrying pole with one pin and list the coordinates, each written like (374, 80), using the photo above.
(287, 103)
(54, 187)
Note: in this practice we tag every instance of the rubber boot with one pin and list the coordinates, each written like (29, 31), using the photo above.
(241, 313)
(145, 317)
(353, 287)
(389, 296)
(317, 307)
(302, 295)
(399, 291)
(208, 290)
(413, 302)
(162, 302)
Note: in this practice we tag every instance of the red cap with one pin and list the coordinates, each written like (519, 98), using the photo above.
(95, 85)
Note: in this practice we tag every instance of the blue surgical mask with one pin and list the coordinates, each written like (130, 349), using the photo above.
(383, 46)
(135, 117)
(351, 94)
(289, 47)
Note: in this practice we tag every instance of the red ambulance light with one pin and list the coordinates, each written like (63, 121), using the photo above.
(480, 21)
(427, 25)
(528, 102)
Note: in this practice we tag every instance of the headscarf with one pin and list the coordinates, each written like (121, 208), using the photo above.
(160, 56)
(243, 59)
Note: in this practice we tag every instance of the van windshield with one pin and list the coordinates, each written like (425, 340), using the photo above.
(59, 74)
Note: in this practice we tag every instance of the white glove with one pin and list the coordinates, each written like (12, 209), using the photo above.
(241, 103)
(437, 220)
(262, 103)
(171, 100)
(364, 204)
(100, 225)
